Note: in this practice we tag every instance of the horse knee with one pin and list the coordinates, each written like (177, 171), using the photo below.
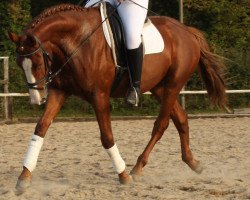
(41, 128)
(107, 140)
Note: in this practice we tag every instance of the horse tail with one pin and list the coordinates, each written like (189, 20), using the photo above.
(211, 68)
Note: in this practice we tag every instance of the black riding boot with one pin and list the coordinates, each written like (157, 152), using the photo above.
(135, 59)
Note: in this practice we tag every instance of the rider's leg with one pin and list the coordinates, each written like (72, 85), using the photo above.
(89, 3)
(135, 60)
(133, 17)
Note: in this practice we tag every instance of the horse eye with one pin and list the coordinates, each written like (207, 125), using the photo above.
(37, 66)
(20, 49)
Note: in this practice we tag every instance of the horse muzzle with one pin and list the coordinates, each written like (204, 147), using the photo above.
(38, 97)
(43, 101)
(35, 102)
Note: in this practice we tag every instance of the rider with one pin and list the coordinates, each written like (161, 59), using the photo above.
(133, 14)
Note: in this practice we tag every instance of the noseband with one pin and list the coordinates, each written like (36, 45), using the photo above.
(48, 73)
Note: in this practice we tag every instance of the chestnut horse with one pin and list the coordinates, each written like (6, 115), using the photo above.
(63, 52)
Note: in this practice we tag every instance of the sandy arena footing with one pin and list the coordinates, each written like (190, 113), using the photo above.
(73, 164)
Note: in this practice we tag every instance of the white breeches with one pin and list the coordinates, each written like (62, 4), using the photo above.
(133, 17)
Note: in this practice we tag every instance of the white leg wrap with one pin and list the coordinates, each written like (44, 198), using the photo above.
(118, 162)
(33, 152)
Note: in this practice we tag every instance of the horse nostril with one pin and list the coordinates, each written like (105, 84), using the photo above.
(43, 101)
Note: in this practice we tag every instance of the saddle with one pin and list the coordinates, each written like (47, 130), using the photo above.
(114, 34)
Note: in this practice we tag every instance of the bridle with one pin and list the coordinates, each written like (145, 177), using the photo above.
(48, 73)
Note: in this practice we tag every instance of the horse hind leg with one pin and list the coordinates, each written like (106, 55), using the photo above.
(180, 120)
(179, 117)
(170, 109)
(161, 124)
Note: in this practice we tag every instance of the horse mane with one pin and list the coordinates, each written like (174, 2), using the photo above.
(52, 11)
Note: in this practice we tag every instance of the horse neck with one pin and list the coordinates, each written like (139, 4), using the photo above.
(66, 29)
(61, 37)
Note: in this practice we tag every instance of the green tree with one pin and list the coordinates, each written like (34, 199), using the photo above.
(15, 15)
(167, 8)
(226, 24)
(35, 9)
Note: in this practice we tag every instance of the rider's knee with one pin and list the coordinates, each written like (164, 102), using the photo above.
(133, 41)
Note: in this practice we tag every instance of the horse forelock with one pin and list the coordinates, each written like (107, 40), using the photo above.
(52, 11)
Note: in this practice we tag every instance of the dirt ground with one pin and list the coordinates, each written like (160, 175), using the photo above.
(73, 164)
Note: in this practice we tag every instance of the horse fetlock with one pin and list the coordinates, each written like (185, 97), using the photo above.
(195, 165)
(142, 161)
(187, 158)
(26, 174)
(136, 173)
(137, 170)
(23, 183)
(125, 178)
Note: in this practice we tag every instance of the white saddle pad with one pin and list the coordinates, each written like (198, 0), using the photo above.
(152, 39)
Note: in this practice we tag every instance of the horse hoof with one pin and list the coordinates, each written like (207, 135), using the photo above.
(125, 181)
(136, 176)
(199, 168)
(22, 185)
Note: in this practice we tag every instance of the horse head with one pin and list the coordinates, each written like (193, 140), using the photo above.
(34, 61)
(51, 52)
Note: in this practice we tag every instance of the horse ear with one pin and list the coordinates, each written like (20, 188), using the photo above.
(14, 37)
(31, 40)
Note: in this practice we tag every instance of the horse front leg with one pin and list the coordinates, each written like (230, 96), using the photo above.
(180, 120)
(54, 103)
(102, 109)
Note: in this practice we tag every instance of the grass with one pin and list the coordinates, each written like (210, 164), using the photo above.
(76, 108)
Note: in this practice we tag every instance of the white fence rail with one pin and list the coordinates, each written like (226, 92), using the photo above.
(5, 82)
(182, 92)
(14, 94)
(8, 109)
(8, 106)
